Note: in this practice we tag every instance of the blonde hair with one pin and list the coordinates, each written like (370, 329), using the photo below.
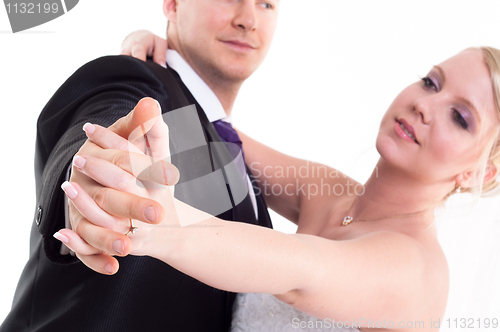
(491, 58)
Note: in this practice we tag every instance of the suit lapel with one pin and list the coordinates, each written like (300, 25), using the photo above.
(198, 163)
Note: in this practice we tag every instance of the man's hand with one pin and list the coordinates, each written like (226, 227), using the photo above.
(142, 44)
(113, 207)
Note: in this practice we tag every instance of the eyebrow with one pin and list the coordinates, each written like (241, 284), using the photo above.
(463, 100)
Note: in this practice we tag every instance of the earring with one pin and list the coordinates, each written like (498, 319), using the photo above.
(458, 189)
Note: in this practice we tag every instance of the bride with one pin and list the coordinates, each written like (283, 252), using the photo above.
(358, 261)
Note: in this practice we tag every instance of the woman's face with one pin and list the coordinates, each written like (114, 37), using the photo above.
(440, 127)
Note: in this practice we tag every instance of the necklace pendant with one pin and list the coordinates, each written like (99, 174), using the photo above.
(347, 220)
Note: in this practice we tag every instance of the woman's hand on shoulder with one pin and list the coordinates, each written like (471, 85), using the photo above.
(142, 44)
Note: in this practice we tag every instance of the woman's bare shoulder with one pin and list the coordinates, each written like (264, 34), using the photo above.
(435, 279)
(432, 269)
(387, 267)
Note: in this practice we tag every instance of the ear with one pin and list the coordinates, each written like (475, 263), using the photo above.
(467, 179)
(170, 10)
(490, 172)
(464, 180)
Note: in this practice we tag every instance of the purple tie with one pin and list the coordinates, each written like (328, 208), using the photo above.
(229, 135)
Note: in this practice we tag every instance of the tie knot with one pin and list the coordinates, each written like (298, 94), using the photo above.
(227, 132)
(233, 143)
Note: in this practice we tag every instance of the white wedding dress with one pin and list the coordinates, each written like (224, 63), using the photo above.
(256, 312)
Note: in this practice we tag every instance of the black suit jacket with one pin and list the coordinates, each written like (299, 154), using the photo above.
(57, 292)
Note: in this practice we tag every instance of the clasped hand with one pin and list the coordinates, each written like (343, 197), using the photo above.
(121, 175)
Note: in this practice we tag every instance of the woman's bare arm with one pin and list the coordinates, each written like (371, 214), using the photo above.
(378, 276)
(289, 183)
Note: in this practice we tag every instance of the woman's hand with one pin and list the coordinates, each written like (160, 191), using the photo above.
(142, 44)
(125, 184)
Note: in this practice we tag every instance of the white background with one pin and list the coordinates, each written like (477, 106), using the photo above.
(332, 71)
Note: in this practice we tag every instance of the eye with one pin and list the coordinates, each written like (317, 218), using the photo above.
(266, 5)
(429, 83)
(459, 119)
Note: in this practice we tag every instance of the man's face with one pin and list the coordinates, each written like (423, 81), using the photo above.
(223, 39)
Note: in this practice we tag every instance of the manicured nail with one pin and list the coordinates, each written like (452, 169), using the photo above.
(69, 189)
(89, 128)
(150, 213)
(164, 65)
(168, 176)
(60, 237)
(79, 162)
(109, 268)
(159, 107)
(118, 246)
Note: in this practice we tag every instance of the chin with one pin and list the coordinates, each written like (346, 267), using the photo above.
(240, 66)
(390, 151)
(382, 145)
(238, 71)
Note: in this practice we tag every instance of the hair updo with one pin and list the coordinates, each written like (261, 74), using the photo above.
(492, 60)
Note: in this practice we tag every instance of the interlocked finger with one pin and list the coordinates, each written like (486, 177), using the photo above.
(109, 175)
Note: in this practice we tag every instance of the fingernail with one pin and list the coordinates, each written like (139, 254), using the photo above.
(69, 189)
(79, 162)
(150, 213)
(159, 107)
(60, 237)
(109, 268)
(118, 246)
(89, 128)
(164, 65)
(169, 176)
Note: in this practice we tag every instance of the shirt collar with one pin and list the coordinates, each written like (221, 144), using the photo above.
(198, 88)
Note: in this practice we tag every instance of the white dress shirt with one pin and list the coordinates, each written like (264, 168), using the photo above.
(205, 97)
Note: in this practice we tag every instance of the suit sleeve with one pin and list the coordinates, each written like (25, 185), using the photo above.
(100, 92)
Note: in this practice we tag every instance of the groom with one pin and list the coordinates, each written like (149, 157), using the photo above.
(214, 46)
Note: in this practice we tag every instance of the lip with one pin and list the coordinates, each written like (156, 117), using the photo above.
(239, 45)
(401, 132)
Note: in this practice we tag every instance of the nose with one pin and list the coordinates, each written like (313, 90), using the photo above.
(245, 18)
(422, 106)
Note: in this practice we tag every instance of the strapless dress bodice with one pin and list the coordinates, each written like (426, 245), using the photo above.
(257, 312)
